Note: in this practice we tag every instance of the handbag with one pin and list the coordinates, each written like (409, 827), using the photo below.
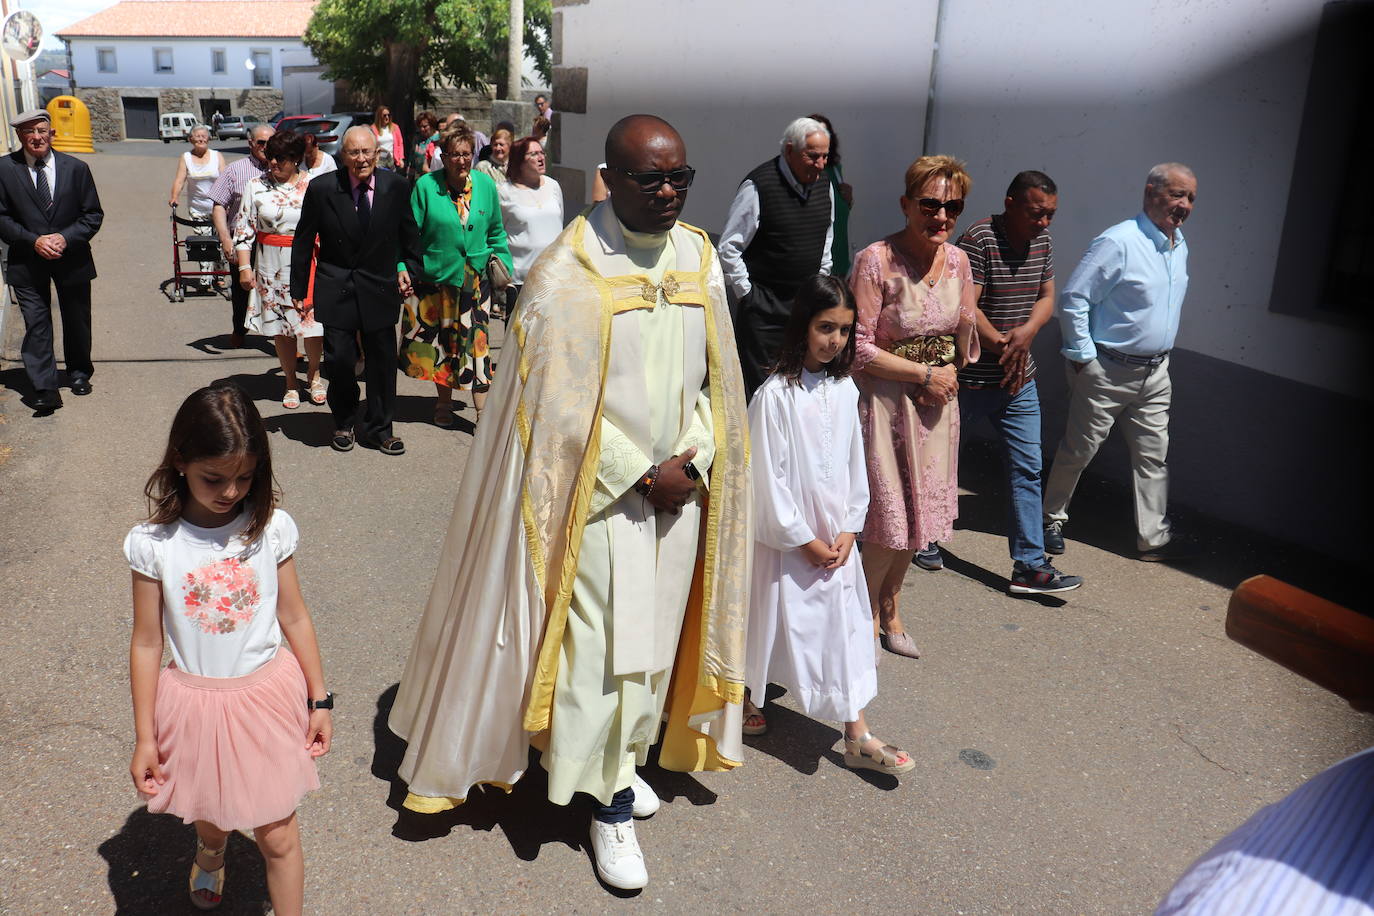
(500, 274)
(933, 350)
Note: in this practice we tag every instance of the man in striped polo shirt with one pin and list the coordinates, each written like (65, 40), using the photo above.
(1012, 260)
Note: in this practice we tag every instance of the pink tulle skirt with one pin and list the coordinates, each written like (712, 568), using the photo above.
(233, 749)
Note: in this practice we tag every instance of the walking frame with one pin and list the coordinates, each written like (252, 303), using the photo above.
(193, 251)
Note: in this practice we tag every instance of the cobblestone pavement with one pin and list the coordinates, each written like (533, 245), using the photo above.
(1074, 756)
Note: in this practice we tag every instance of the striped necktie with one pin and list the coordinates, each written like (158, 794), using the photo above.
(40, 175)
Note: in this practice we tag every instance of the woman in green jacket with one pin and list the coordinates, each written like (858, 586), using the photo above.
(444, 329)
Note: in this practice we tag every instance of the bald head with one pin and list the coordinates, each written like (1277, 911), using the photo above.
(632, 134)
(646, 173)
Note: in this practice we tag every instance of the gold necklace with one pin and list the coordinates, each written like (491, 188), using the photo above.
(924, 275)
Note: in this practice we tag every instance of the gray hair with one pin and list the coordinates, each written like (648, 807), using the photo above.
(266, 131)
(361, 130)
(796, 133)
(1159, 175)
(199, 127)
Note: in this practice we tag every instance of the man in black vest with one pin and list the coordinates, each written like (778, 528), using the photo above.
(777, 233)
(367, 235)
(49, 211)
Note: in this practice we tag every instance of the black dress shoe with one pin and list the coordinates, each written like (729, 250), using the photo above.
(81, 386)
(1177, 549)
(47, 399)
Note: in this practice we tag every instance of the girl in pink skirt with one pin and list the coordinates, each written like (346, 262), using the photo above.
(226, 735)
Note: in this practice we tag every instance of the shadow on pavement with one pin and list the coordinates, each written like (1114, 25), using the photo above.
(1103, 518)
(218, 345)
(150, 859)
(525, 815)
(997, 583)
(802, 743)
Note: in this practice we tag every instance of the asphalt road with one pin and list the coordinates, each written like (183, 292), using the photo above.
(1073, 756)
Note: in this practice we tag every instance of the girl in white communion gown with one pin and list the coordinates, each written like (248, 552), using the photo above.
(810, 621)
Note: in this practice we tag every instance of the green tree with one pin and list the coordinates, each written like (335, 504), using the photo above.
(402, 50)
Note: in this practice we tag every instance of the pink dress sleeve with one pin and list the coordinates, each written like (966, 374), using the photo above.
(966, 335)
(866, 283)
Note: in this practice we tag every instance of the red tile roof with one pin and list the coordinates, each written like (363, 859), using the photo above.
(196, 19)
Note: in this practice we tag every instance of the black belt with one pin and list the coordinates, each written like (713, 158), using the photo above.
(1130, 359)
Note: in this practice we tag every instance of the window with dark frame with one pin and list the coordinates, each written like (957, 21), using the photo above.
(218, 62)
(105, 60)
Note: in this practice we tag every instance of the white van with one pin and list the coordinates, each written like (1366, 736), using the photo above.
(176, 125)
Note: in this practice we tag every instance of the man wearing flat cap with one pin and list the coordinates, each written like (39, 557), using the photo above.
(49, 210)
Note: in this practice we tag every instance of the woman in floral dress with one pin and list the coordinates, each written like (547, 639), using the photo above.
(267, 218)
(444, 326)
(915, 328)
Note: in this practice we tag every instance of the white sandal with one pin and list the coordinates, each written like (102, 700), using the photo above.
(885, 759)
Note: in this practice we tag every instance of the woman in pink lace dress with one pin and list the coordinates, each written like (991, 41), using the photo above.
(915, 328)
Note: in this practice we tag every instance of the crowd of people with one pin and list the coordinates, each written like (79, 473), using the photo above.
(618, 571)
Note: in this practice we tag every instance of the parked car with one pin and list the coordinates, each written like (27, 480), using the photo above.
(236, 126)
(276, 117)
(330, 129)
(176, 125)
(291, 122)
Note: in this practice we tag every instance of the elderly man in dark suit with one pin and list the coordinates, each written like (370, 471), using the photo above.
(49, 211)
(368, 242)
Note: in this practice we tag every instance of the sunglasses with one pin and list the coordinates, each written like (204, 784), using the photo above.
(650, 182)
(932, 207)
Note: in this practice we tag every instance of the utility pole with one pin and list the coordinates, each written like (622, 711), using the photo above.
(515, 49)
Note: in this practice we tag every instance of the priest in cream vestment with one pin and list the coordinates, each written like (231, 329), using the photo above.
(593, 587)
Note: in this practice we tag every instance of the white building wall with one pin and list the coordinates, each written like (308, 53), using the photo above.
(733, 74)
(191, 62)
(1094, 97)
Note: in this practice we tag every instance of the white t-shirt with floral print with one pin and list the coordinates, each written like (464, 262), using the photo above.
(219, 596)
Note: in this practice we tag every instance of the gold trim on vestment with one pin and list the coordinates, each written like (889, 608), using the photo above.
(539, 710)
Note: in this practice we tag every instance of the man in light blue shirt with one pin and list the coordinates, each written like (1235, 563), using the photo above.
(1119, 316)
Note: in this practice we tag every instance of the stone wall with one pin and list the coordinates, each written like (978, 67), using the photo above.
(262, 103)
(177, 100)
(107, 114)
(107, 109)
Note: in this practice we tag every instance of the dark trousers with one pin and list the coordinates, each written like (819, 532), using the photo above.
(760, 319)
(620, 810)
(340, 355)
(37, 350)
(238, 296)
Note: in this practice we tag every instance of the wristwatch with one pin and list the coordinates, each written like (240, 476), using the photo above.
(326, 703)
(691, 471)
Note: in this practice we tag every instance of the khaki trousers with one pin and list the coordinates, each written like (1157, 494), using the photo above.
(1102, 393)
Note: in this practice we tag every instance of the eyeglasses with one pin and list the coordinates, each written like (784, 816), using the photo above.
(650, 182)
(257, 142)
(360, 153)
(458, 157)
(932, 207)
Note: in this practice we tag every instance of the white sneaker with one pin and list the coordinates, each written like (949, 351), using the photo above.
(646, 800)
(619, 861)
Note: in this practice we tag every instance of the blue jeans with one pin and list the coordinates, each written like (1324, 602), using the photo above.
(1016, 419)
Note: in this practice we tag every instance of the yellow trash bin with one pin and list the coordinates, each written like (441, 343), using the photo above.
(71, 124)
